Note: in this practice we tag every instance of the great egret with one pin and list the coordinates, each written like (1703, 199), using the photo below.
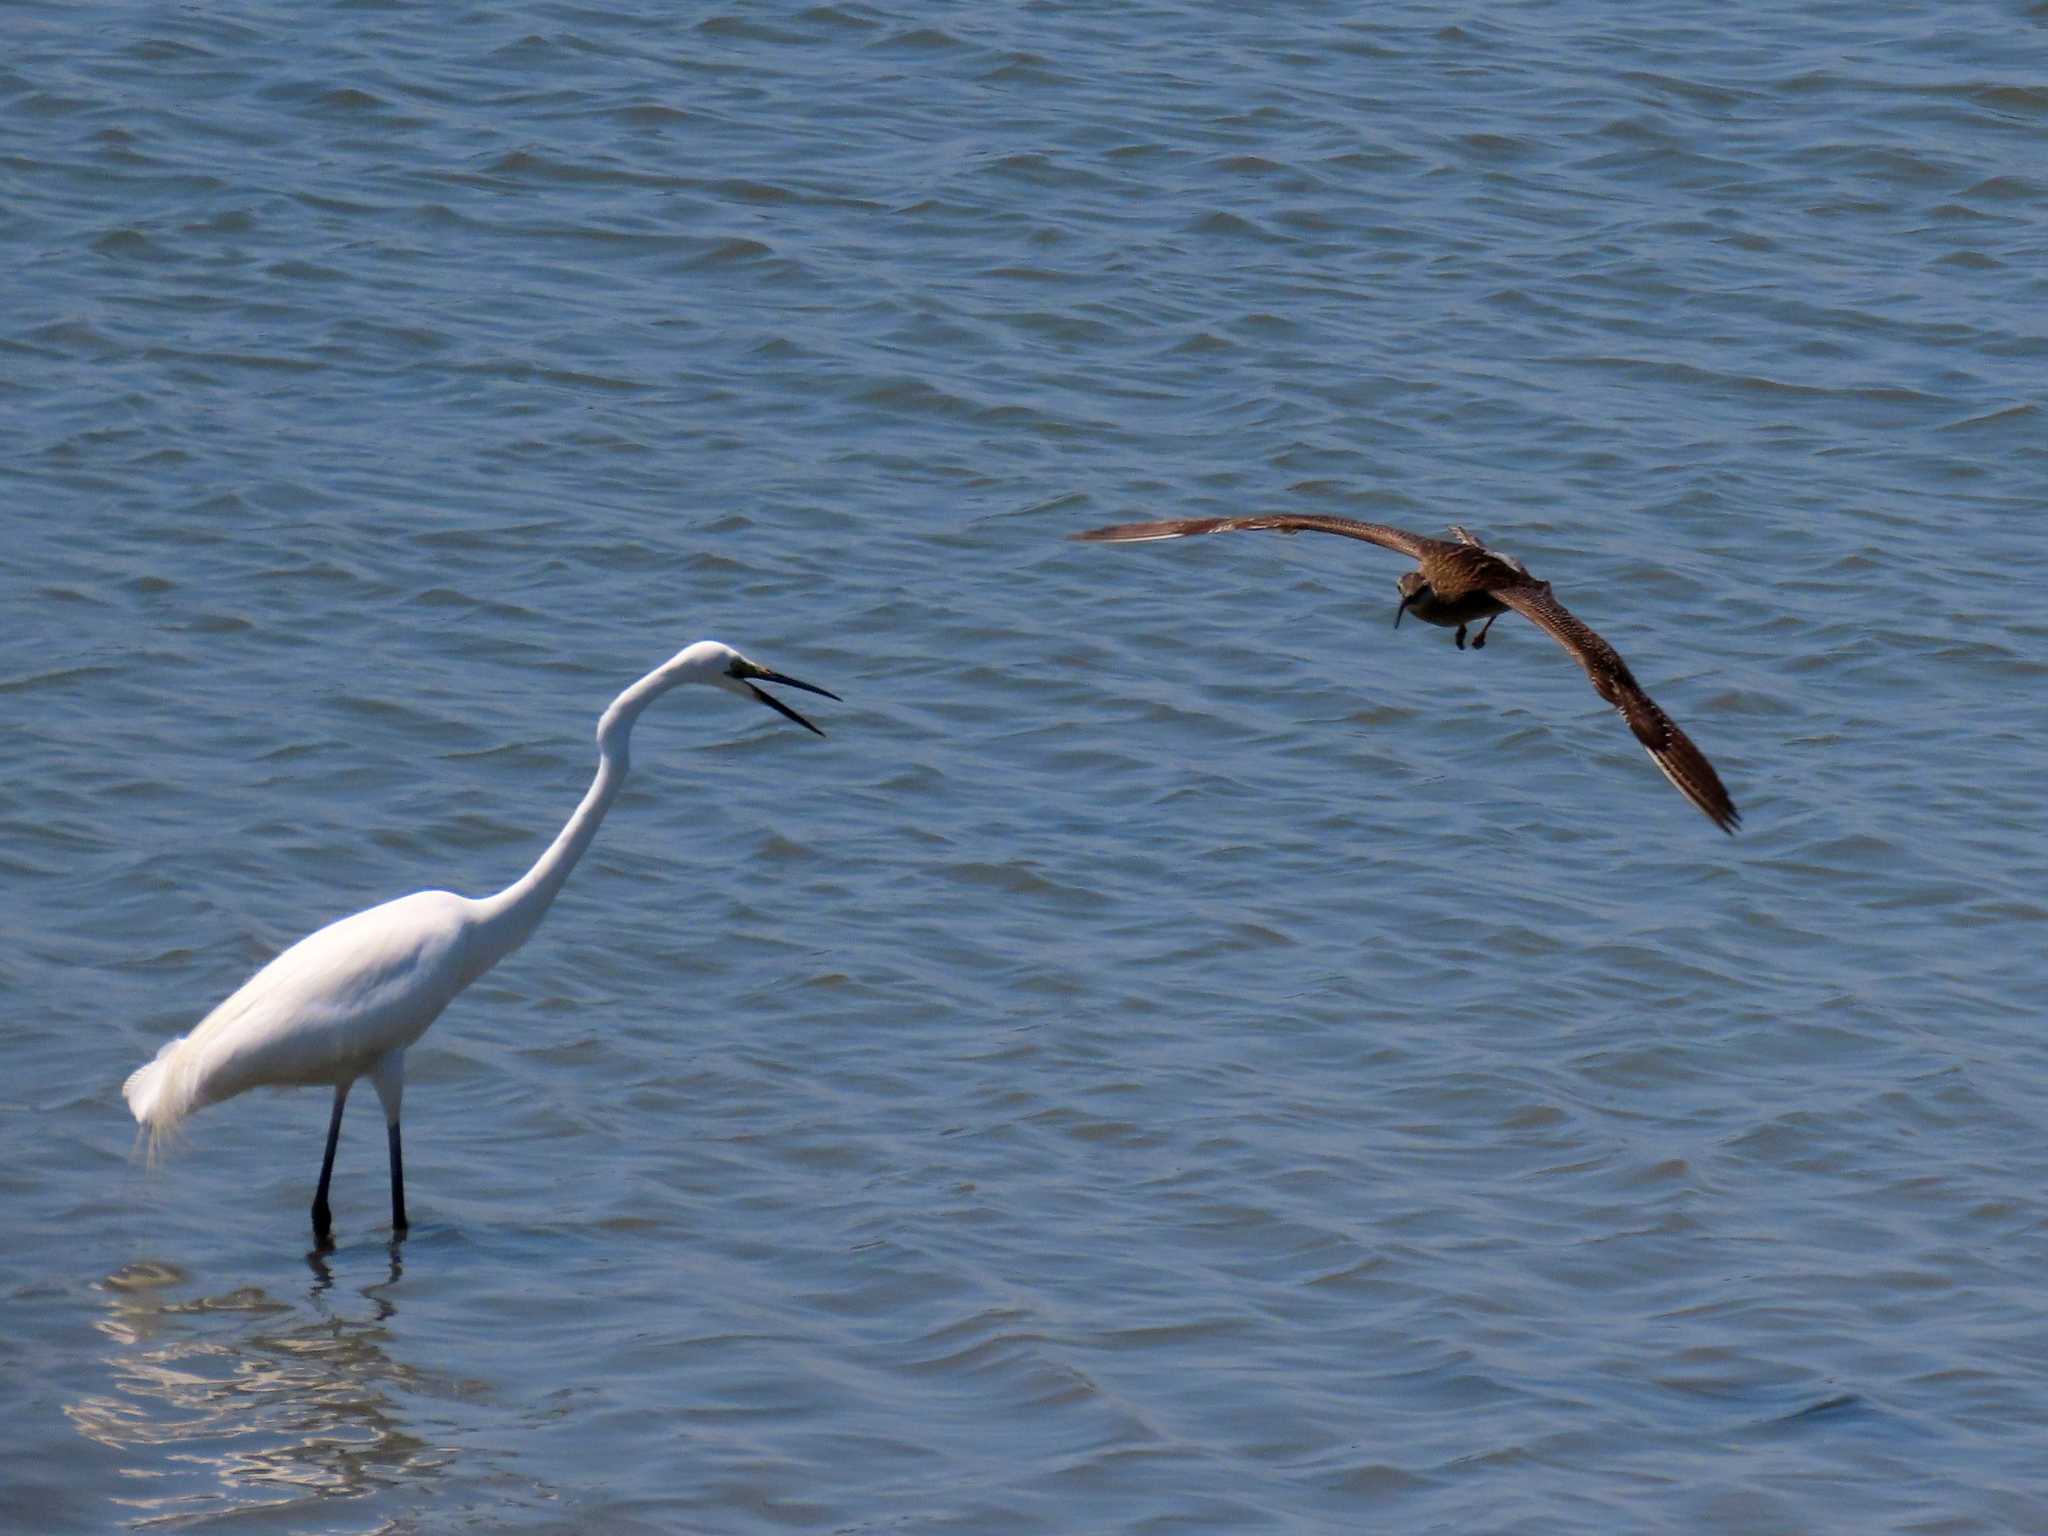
(1457, 584)
(346, 1001)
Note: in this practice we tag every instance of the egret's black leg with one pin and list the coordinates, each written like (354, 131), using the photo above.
(397, 1181)
(323, 1219)
(1479, 639)
(388, 1074)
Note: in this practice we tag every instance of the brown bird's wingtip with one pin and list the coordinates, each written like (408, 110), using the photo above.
(1147, 533)
(1720, 811)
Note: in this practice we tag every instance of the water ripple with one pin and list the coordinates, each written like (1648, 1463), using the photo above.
(1178, 1053)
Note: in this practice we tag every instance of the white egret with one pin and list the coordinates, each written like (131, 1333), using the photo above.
(345, 1002)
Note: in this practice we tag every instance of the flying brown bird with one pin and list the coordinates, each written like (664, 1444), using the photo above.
(1456, 585)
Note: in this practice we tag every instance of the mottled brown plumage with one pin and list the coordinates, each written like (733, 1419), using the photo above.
(1459, 581)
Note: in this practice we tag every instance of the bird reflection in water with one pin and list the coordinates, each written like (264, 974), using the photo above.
(247, 1403)
(323, 1276)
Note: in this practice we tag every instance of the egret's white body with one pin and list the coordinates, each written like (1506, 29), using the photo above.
(345, 1002)
(326, 1011)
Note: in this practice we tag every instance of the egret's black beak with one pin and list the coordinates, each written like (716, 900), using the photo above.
(764, 675)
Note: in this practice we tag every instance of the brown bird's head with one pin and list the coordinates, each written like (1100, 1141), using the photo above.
(1414, 588)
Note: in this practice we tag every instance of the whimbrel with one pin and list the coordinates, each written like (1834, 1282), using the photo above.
(1456, 584)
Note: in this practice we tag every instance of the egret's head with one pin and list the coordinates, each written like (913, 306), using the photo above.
(720, 665)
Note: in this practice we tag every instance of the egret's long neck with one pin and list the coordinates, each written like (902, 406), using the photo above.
(505, 921)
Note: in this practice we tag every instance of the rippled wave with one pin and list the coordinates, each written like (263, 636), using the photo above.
(1181, 1054)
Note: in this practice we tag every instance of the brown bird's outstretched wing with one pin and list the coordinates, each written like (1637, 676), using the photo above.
(1669, 747)
(1410, 544)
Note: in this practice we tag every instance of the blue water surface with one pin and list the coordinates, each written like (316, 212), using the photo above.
(1180, 1055)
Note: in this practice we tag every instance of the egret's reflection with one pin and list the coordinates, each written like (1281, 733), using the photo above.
(323, 1278)
(247, 1401)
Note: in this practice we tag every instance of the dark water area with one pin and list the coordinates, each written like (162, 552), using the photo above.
(1180, 1055)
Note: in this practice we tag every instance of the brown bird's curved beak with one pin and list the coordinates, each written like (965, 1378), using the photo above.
(764, 675)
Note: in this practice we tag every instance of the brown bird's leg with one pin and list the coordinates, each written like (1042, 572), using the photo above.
(1460, 637)
(1479, 640)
